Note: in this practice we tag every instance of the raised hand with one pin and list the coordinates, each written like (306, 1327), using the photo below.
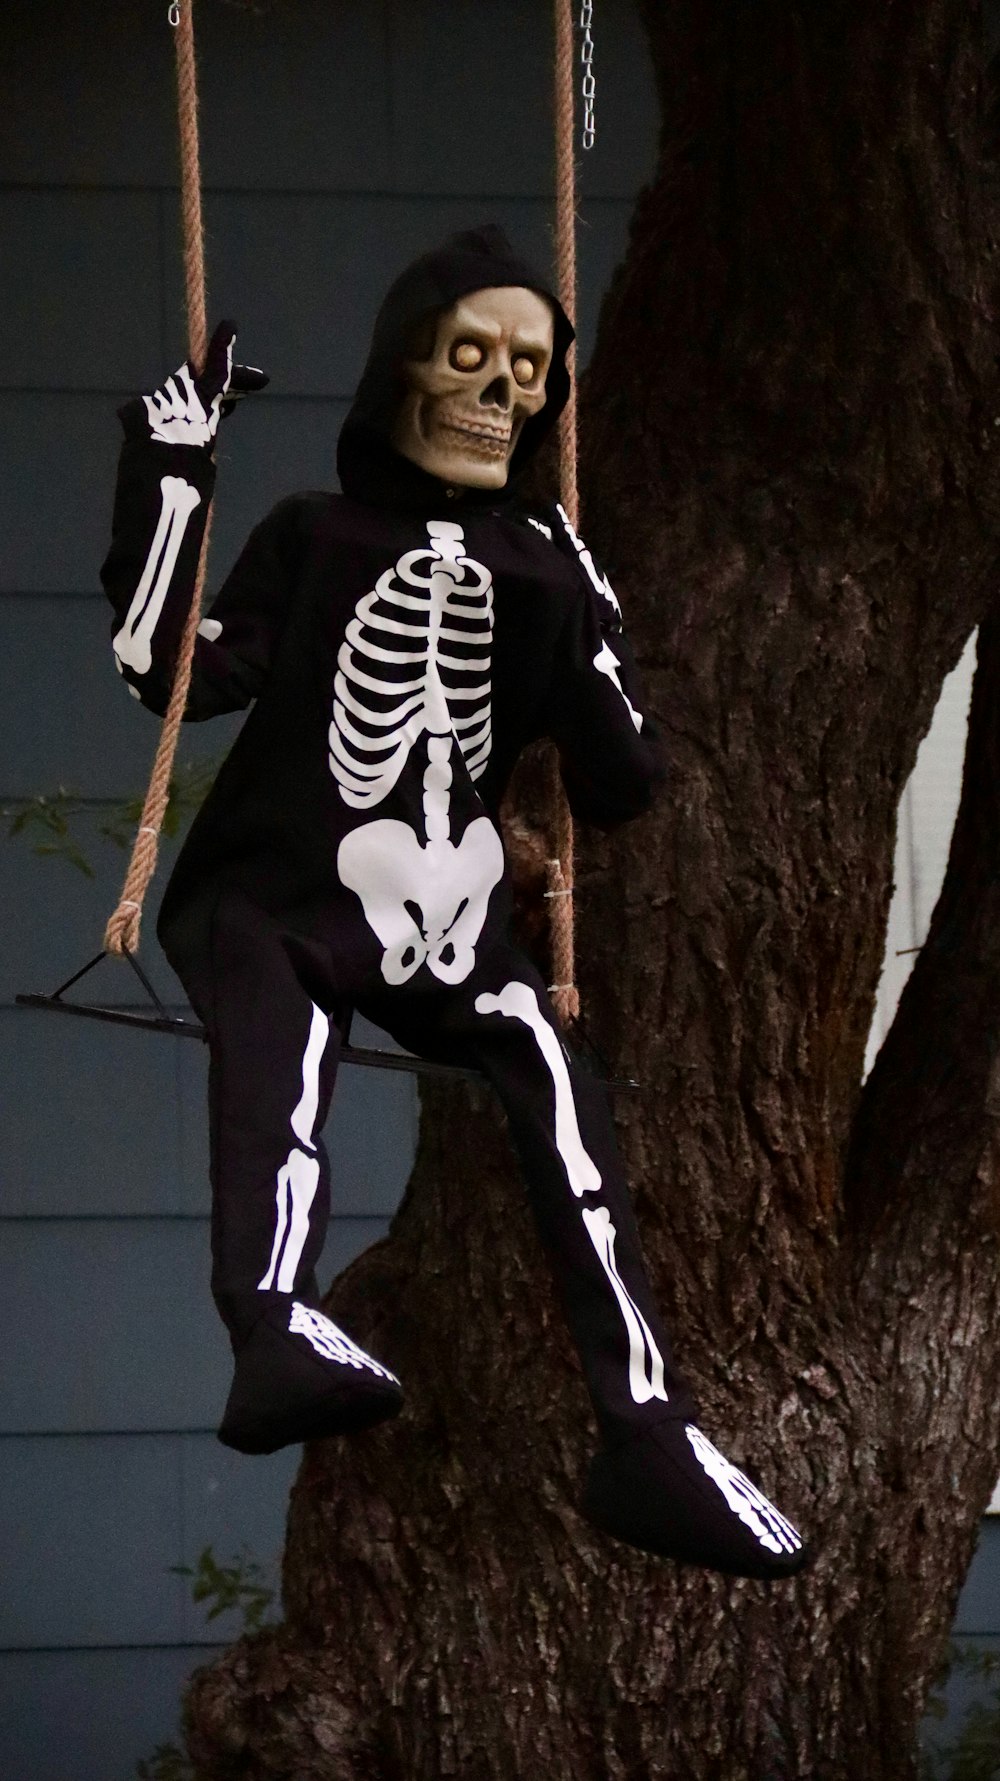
(185, 410)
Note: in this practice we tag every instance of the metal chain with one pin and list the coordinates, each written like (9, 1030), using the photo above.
(587, 58)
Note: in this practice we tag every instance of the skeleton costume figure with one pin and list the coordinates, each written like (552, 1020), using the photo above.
(400, 643)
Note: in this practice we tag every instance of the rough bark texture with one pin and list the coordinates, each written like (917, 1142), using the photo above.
(791, 424)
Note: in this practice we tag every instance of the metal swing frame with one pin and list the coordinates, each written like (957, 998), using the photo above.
(155, 1017)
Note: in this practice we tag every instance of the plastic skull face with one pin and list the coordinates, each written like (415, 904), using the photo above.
(483, 375)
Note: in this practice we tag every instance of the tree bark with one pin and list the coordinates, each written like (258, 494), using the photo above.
(791, 428)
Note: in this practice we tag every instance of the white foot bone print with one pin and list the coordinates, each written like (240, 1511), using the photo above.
(765, 1522)
(331, 1342)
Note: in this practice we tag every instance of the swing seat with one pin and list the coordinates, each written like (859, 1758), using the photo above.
(154, 1017)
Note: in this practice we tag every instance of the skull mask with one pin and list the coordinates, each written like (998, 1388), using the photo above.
(481, 378)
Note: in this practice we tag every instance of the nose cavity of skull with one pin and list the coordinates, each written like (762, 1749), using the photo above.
(470, 389)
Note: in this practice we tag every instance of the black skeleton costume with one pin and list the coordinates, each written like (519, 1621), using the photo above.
(400, 643)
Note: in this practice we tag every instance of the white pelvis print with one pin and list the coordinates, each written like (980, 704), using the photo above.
(416, 662)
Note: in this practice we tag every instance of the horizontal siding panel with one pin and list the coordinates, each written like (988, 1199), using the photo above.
(296, 97)
(289, 269)
(321, 95)
(460, 124)
(91, 1526)
(54, 919)
(109, 1324)
(70, 720)
(104, 247)
(94, 1120)
(87, 1531)
(107, 1122)
(89, 1715)
(60, 451)
(979, 1604)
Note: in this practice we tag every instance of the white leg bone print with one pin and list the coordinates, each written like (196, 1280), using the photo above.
(645, 1362)
(425, 902)
(132, 644)
(331, 1342)
(519, 1002)
(298, 1177)
(765, 1522)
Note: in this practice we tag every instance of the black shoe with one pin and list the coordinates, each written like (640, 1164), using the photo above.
(672, 1493)
(299, 1378)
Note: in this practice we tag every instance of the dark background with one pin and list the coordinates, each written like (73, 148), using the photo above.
(338, 140)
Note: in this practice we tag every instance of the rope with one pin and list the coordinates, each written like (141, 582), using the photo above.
(559, 870)
(122, 931)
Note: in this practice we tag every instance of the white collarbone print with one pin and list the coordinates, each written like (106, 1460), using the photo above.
(416, 662)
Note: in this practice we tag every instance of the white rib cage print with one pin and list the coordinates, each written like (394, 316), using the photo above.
(415, 660)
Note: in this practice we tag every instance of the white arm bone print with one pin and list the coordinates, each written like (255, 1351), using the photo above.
(133, 643)
(425, 903)
(605, 661)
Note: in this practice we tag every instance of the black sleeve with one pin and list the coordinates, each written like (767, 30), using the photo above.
(610, 750)
(161, 506)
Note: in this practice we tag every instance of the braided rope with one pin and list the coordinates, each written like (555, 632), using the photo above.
(565, 996)
(123, 928)
(122, 931)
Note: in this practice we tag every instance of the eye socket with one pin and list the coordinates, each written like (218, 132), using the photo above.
(466, 355)
(523, 369)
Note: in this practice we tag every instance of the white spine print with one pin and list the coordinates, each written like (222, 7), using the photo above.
(133, 643)
(298, 1177)
(765, 1522)
(518, 1002)
(426, 903)
(331, 1342)
(645, 1362)
(415, 659)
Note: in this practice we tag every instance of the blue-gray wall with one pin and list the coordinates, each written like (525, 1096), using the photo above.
(339, 138)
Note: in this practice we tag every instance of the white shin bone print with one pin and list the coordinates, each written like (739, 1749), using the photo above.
(298, 1177)
(332, 1342)
(645, 1362)
(765, 1522)
(133, 643)
(645, 1366)
(425, 902)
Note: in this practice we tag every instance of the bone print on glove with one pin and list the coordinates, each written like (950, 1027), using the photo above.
(185, 410)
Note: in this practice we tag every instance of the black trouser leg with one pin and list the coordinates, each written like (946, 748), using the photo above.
(561, 1125)
(274, 1052)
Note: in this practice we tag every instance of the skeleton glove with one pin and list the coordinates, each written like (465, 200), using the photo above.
(185, 410)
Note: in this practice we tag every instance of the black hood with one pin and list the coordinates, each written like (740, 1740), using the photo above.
(369, 468)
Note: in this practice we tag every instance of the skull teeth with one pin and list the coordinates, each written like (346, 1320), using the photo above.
(496, 438)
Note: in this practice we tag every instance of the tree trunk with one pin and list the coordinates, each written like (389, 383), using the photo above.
(791, 427)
